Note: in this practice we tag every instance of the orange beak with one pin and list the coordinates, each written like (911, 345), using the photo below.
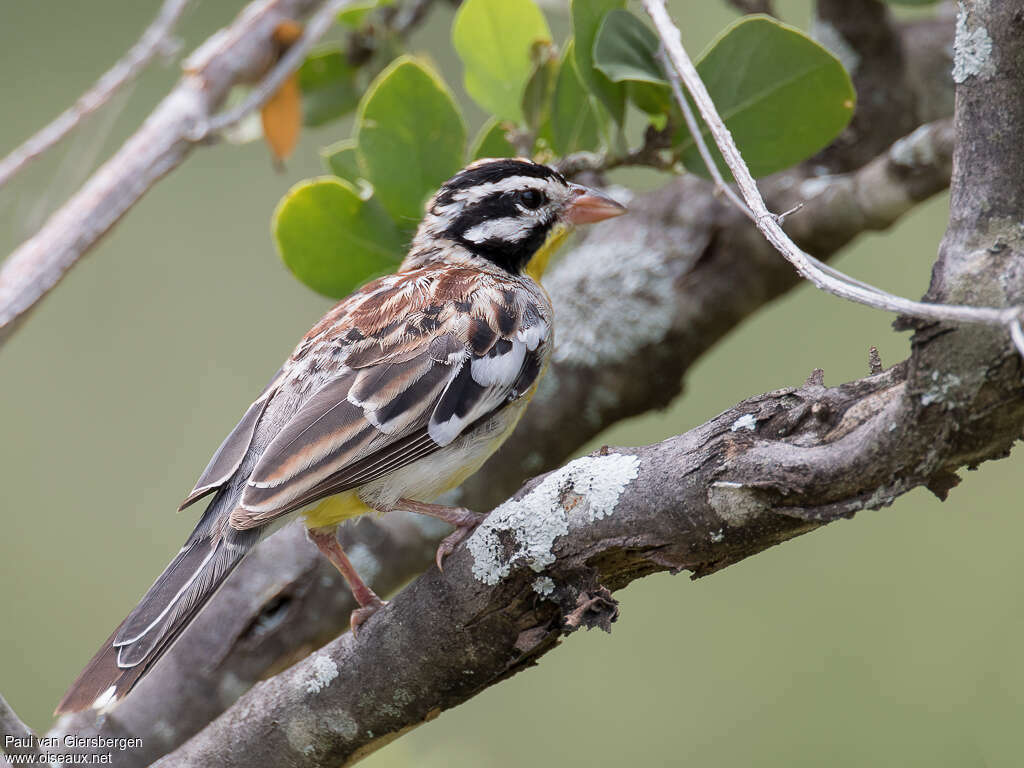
(589, 206)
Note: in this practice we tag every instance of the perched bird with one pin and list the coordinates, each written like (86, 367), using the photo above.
(398, 394)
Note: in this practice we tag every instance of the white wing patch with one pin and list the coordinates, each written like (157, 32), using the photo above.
(499, 370)
(533, 335)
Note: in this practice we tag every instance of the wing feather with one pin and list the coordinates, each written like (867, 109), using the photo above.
(229, 455)
(399, 397)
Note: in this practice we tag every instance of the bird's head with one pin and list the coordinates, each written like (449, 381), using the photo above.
(512, 212)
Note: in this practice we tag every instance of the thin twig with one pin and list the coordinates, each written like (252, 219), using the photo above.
(153, 41)
(239, 53)
(12, 726)
(698, 138)
(828, 279)
(315, 28)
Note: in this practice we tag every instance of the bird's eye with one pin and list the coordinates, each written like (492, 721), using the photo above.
(531, 198)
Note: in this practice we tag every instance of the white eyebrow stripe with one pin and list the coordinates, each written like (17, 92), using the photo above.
(480, 191)
(510, 228)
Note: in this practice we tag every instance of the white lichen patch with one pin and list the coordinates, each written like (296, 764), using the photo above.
(973, 54)
(735, 503)
(746, 421)
(324, 670)
(523, 531)
(630, 274)
(943, 386)
(543, 586)
(830, 38)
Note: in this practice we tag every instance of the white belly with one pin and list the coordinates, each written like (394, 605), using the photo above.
(429, 477)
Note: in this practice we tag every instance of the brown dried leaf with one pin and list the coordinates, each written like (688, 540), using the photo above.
(282, 119)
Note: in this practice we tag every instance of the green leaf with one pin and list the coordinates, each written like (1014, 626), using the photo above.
(491, 142)
(328, 86)
(782, 95)
(333, 240)
(355, 12)
(409, 138)
(541, 85)
(341, 160)
(625, 49)
(587, 16)
(574, 124)
(652, 99)
(494, 38)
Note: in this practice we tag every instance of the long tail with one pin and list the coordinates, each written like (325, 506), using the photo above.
(163, 613)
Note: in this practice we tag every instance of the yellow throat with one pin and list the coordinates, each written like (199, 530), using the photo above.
(539, 261)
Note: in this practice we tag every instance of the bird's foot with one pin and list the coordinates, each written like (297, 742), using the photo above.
(464, 520)
(364, 612)
(464, 527)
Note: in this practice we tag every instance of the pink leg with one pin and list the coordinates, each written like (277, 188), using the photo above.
(326, 540)
(464, 520)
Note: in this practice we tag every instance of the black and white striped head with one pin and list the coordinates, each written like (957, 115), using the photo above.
(510, 210)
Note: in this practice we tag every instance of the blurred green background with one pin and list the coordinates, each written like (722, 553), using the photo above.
(889, 640)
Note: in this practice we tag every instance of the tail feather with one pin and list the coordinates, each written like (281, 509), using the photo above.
(167, 608)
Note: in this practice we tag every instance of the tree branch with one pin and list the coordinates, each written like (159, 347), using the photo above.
(824, 278)
(154, 41)
(545, 563)
(16, 738)
(240, 53)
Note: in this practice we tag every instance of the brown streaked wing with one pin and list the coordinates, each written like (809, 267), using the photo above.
(404, 395)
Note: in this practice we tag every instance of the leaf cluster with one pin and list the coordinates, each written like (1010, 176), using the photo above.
(782, 95)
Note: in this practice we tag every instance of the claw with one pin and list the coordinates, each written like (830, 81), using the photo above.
(361, 614)
(463, 529)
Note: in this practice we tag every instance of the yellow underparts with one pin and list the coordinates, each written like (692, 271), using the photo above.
(335, 509)
(539, 261)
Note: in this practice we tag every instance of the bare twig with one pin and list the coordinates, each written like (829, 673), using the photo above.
(240, 53)
(23, 738)
(827, 280)
(153, 42)
(317, 26)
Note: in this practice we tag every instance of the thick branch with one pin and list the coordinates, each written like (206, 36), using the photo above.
(545, 563)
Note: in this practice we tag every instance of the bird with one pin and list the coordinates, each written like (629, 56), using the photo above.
(398, 394)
